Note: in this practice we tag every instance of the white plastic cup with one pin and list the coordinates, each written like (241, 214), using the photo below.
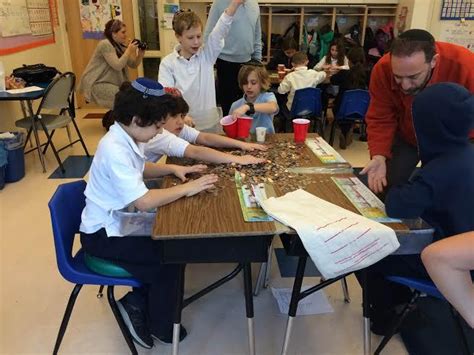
(260, 133)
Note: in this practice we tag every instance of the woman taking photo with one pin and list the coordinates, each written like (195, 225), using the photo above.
(107, 69)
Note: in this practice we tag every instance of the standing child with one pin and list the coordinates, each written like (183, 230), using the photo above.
(300, 78)
(190, 67)
(116, 182)
(179, 139)
(257, 102)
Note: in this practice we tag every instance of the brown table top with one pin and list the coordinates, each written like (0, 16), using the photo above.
(218, 213)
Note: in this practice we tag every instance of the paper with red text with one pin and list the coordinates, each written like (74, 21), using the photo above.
(337, 240)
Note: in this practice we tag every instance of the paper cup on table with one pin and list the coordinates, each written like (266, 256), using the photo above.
(230, 126)
(281, 67)
(260, 132)
(243, 126)
(300, 129)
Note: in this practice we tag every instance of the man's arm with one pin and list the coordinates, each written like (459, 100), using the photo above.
(257, 43)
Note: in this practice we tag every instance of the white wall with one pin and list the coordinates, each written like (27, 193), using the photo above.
(55, 54)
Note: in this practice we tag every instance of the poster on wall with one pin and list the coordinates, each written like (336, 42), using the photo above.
(24, 24)
(95, 14)
(458, 32)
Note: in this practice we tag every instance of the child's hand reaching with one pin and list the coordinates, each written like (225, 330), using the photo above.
(253, 146)
(248, 159)
(203, 183)
(181, 171)
(240, 111)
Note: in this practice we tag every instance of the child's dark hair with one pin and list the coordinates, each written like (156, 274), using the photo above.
(341, 52)
(289, 43)
(261, 73)
(150, 110)
(299, 58)
(185, 20)
(178, 106)
(358, 70)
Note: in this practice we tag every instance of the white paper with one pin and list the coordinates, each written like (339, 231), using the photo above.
(337, 240)
(316, 303)
(25, 90)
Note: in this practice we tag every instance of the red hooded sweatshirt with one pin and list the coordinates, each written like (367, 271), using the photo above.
(390, 109)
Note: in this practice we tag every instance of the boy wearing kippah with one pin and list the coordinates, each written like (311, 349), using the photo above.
(190, 67)
(116, 182)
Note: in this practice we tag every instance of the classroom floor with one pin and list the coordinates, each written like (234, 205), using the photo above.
(33, 294)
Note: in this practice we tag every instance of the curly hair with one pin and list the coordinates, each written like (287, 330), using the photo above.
(261, 72)
(150, 110)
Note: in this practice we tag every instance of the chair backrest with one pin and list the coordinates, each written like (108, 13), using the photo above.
(59, 93)
(66, 207)
(306, 103)
(354, 105)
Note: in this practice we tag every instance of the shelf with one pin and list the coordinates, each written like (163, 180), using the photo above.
(381, 15)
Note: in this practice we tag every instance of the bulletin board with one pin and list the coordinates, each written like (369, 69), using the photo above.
(26, 24)
(457, 10)
(95, 14)
(458, 32)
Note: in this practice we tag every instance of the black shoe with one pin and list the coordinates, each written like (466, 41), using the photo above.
(168, 338)
(382, 323)
(135, 320)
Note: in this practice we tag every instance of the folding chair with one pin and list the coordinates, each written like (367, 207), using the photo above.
(419, 286)
(307, 104)
(59, 95)
(354, 106)
(66, 207)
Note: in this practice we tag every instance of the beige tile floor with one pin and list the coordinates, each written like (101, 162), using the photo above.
(33, 294)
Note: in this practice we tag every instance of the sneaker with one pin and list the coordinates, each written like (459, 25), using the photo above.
(168, 338)
(135, 320)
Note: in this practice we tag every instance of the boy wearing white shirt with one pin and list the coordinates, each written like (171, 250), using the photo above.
(300, 78)
(116, 182)
(178, 140)
(190, 67)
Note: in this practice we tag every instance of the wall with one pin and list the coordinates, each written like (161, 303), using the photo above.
(56, 54)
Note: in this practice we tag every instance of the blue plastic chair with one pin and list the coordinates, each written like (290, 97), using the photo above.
(419, 286)
(307, 104)
(354, 106)
(66, 207)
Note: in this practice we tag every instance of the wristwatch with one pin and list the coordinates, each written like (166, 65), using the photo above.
(251, 109)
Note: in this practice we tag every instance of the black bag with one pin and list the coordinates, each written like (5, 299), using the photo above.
(36, 73)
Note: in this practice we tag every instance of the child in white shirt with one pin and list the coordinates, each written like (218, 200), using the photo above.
(334, 60)
(179, 140)
(300, 78)
(190, 67)
(116, 182)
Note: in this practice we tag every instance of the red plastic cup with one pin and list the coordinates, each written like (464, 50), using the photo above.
(230, 126)
(300, 129)
(244, 124)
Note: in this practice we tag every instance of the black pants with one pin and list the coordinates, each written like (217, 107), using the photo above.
(228, 90)
(403, 162)
(141, 256)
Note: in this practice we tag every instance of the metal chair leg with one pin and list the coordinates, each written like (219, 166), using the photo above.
(67, 315)
(68, 131)
(365, 313)
(249, 306)
(345, 290)
(333, 132)
(178, 309)
(123, 327)
(99, 293)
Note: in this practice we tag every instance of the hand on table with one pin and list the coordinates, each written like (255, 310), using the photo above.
(203, 183)
(376, 170)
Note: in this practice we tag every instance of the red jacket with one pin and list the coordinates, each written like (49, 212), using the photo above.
(390, 109)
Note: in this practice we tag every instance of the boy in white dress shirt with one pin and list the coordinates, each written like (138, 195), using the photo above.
(190, 67)
(301, 77)
(179, 139)
(116, 182)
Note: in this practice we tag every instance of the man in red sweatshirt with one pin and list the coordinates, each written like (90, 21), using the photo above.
(414, 62)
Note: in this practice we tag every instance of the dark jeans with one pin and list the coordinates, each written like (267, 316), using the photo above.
(228, 90)
(403, 162)
(141, 256)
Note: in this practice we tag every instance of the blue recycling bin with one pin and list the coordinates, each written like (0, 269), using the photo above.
(15, 168)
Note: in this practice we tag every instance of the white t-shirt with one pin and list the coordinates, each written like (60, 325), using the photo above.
(322, 62)
(167, 143)
(300, 78)
(115, 181)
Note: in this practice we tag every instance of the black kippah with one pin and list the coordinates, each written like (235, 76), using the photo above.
(417, 35)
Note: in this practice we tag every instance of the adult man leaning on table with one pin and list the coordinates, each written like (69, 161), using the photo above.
(415, 61)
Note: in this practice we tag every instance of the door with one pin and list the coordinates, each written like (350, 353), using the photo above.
(82, 49)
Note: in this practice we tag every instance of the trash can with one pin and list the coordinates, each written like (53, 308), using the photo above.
(15, 168)
(3, 164)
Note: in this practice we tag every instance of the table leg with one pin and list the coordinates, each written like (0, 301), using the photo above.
(249, 306)
(365, 312)
(295, 297)
(178, 309)
(35, 133)
(268, 269)
(264, 273)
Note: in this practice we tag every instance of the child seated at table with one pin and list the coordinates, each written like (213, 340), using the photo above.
(190, 67)
(257, 102)
(179, 139)
(301, 77)
(334, 60)
(284, 55)
(116, 182)
(442, 192)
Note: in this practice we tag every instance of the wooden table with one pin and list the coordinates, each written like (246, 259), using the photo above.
(211, 229)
